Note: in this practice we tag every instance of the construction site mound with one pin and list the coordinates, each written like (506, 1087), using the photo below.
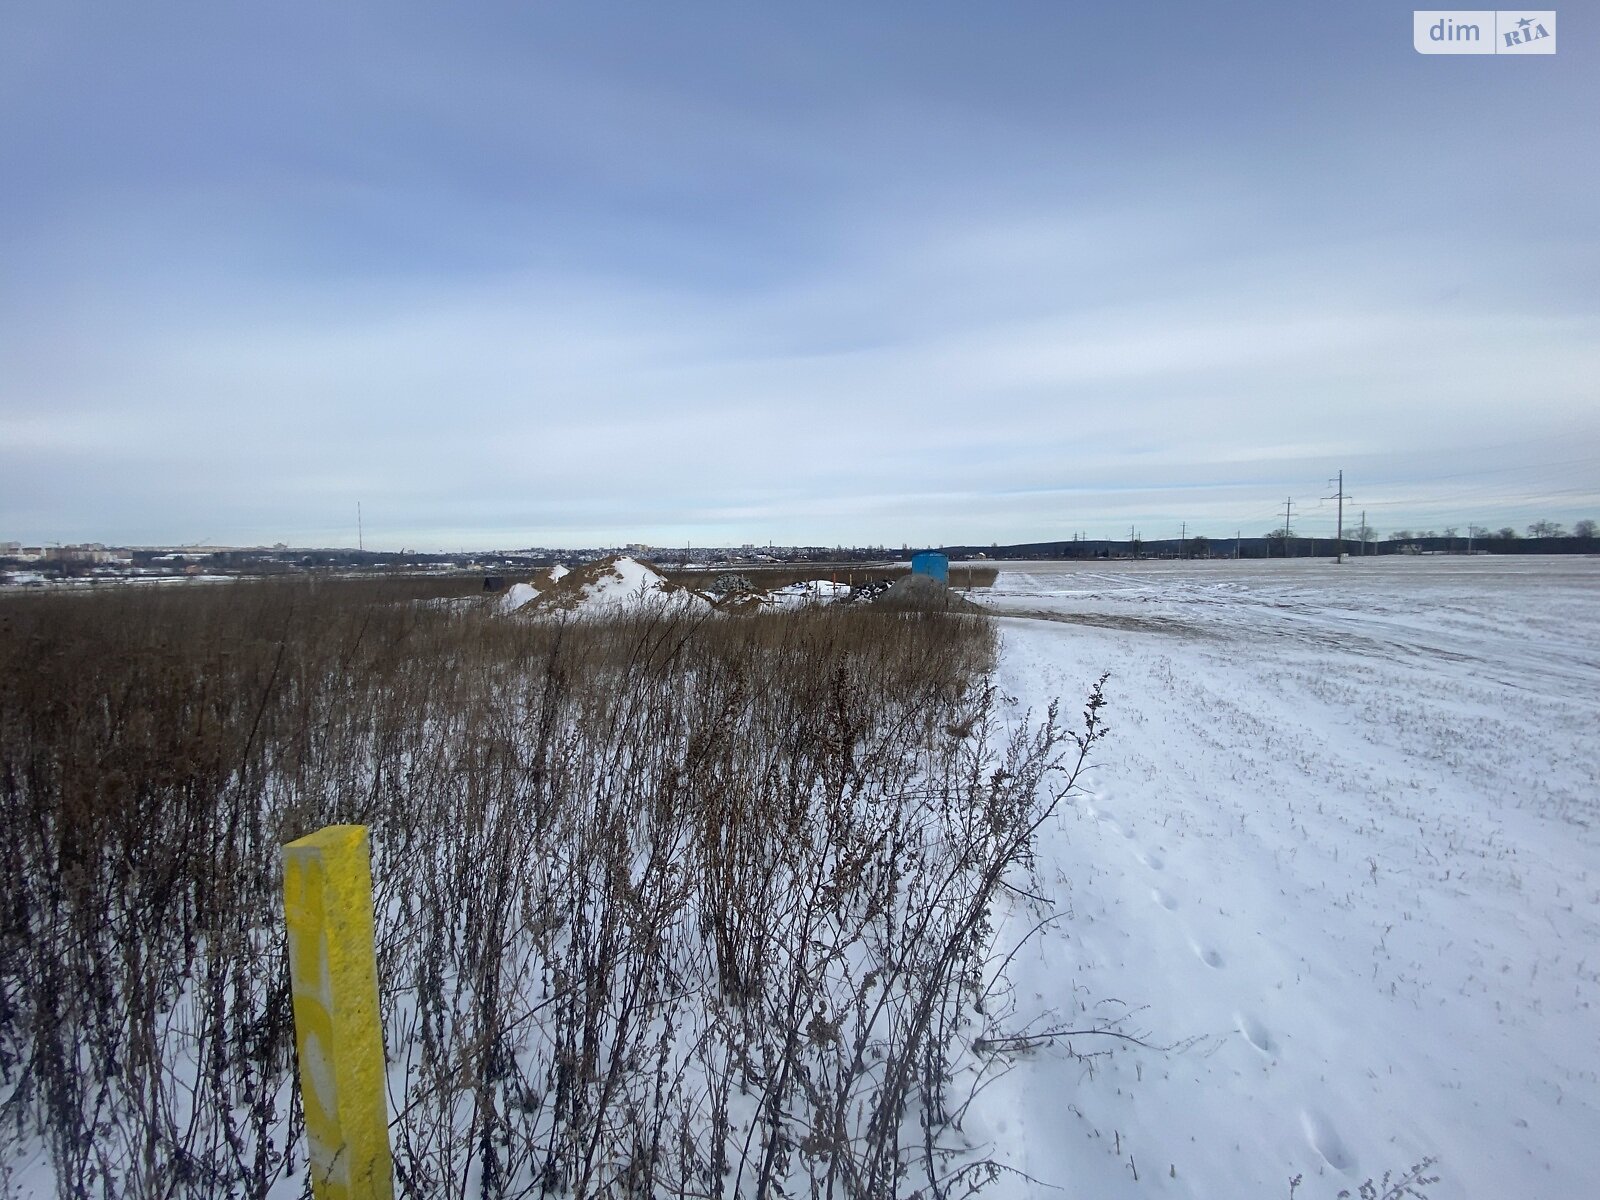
(609, 587)
(520, 595)
(924, 593)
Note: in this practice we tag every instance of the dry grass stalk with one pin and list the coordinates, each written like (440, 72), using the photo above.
(670, 905)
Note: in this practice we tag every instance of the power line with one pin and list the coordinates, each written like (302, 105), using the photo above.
(1541, 466)
(1490, 496)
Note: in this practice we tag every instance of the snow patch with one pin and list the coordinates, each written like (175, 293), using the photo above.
(1340, 868)
(517, 595)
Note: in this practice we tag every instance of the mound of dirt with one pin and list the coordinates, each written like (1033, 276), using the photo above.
(520, 595)
(925, 593)
(608, 587)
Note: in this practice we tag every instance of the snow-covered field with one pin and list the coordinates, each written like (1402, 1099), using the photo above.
(1340, 855)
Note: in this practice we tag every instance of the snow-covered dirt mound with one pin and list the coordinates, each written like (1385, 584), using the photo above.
(609, 587)
(520, 595)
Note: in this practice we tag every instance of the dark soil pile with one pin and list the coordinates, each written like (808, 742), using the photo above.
(924, 592)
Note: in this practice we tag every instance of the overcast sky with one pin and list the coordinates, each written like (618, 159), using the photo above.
(536, 273)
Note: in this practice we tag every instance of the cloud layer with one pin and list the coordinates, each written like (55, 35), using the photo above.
(573, 276)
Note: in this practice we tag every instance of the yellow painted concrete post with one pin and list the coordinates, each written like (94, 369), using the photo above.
(327, 905)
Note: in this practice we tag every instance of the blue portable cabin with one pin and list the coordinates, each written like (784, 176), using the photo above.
(931, 563)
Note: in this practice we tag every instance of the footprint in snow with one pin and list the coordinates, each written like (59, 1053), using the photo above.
(1153, 861)
(1206, 955)
(1255, 1033)
(1325, 1140)
(1167, 901)
(1109, 821)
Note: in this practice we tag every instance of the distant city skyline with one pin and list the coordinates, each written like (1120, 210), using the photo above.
(565, 275)
(1581, 530)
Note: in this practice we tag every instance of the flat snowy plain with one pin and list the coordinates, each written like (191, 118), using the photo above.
(1339, 853)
